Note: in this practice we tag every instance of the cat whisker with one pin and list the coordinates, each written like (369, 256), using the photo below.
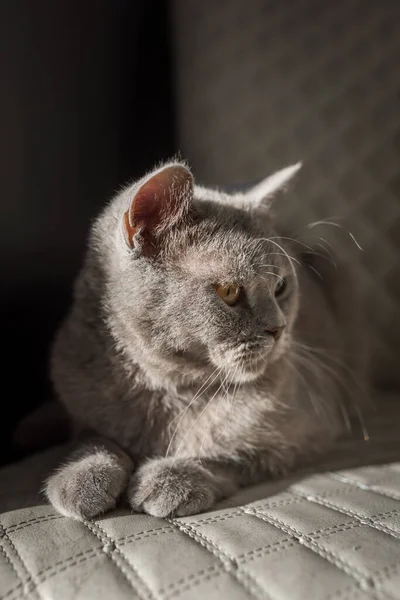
(203, 388)
(329, 244)
(338, 379)
(333, 224)
(277, 404)
(271, 273)
(346, 417)
(256, 264)
(235, 389)
(196, 420)
(212, 420)
(280, 237)
(236, 386)
(316, 407)
(324, 353)
(315, 271)
(326, 254)
(262, 357)
(214, 375)
(362, 424)
(352, 236)
(291, 258)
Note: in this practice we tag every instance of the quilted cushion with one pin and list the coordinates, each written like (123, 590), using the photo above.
(327, 535)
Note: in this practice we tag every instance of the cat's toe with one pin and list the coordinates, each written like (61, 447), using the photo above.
(166, 488)
(85, 489)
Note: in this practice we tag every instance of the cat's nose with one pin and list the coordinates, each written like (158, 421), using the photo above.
(276, 332)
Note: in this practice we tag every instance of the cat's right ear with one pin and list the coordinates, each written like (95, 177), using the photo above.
(161, 202)
(263, 193)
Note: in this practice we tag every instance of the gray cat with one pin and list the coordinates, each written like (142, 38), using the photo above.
(204, 351)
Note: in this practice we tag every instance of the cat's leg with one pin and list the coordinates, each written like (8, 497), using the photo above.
(165, 487)
(91, 481)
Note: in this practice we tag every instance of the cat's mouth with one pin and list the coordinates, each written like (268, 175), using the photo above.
(242, 364)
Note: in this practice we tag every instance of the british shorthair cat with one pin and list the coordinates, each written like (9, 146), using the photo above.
(205, 350)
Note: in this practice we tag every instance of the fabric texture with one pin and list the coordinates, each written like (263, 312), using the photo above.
(324, 535)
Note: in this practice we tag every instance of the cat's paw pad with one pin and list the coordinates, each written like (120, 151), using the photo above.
(87, 487)
(166, 488)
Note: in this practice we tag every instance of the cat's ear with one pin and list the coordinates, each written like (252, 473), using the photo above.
(262, 193)
(162, 201)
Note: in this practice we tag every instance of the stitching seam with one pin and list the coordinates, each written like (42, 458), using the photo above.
(262, 505)
(227, 562)
(65, 563)
(312, 545)
(92, 553)
(314, 534)
(195, 582)
(30, 522)
(363, 520)
(376, 578)
(326, 531)
(13, 568)
(318, 499)
(62, 566)
(260, 552)
(122, 541)
(28, 581)
(192, 580)
(364, 486)
(111, 550)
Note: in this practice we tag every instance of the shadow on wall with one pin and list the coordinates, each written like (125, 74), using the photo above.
(82, 114)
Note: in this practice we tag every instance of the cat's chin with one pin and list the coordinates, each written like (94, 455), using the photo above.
(240, 374)
(248, 376)
(240, 369)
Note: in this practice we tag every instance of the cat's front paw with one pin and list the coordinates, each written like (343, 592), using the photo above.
(168, 487)
(87, 487)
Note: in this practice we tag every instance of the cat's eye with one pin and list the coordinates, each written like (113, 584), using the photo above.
(229, 293)
(280, 286)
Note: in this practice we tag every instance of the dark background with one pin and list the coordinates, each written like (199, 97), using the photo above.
(86, 105)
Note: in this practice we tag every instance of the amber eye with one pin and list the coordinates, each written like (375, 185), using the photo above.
(229, 293)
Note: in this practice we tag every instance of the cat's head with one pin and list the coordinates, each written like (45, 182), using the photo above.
(200, 279)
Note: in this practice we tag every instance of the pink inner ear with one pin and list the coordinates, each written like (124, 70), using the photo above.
(162, 199)
(146, 205)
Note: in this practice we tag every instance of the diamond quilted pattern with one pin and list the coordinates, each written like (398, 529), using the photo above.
(328, 536)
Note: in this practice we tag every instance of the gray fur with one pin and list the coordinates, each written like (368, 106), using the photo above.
(166, 486)
(91, 482)
(198, 394)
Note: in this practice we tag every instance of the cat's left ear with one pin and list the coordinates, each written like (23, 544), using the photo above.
(162, 201)
(262, 193)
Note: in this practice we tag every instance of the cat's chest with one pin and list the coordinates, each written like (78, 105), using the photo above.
(199, 429)
(175, 428)
(158, 425)
(218, 424)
